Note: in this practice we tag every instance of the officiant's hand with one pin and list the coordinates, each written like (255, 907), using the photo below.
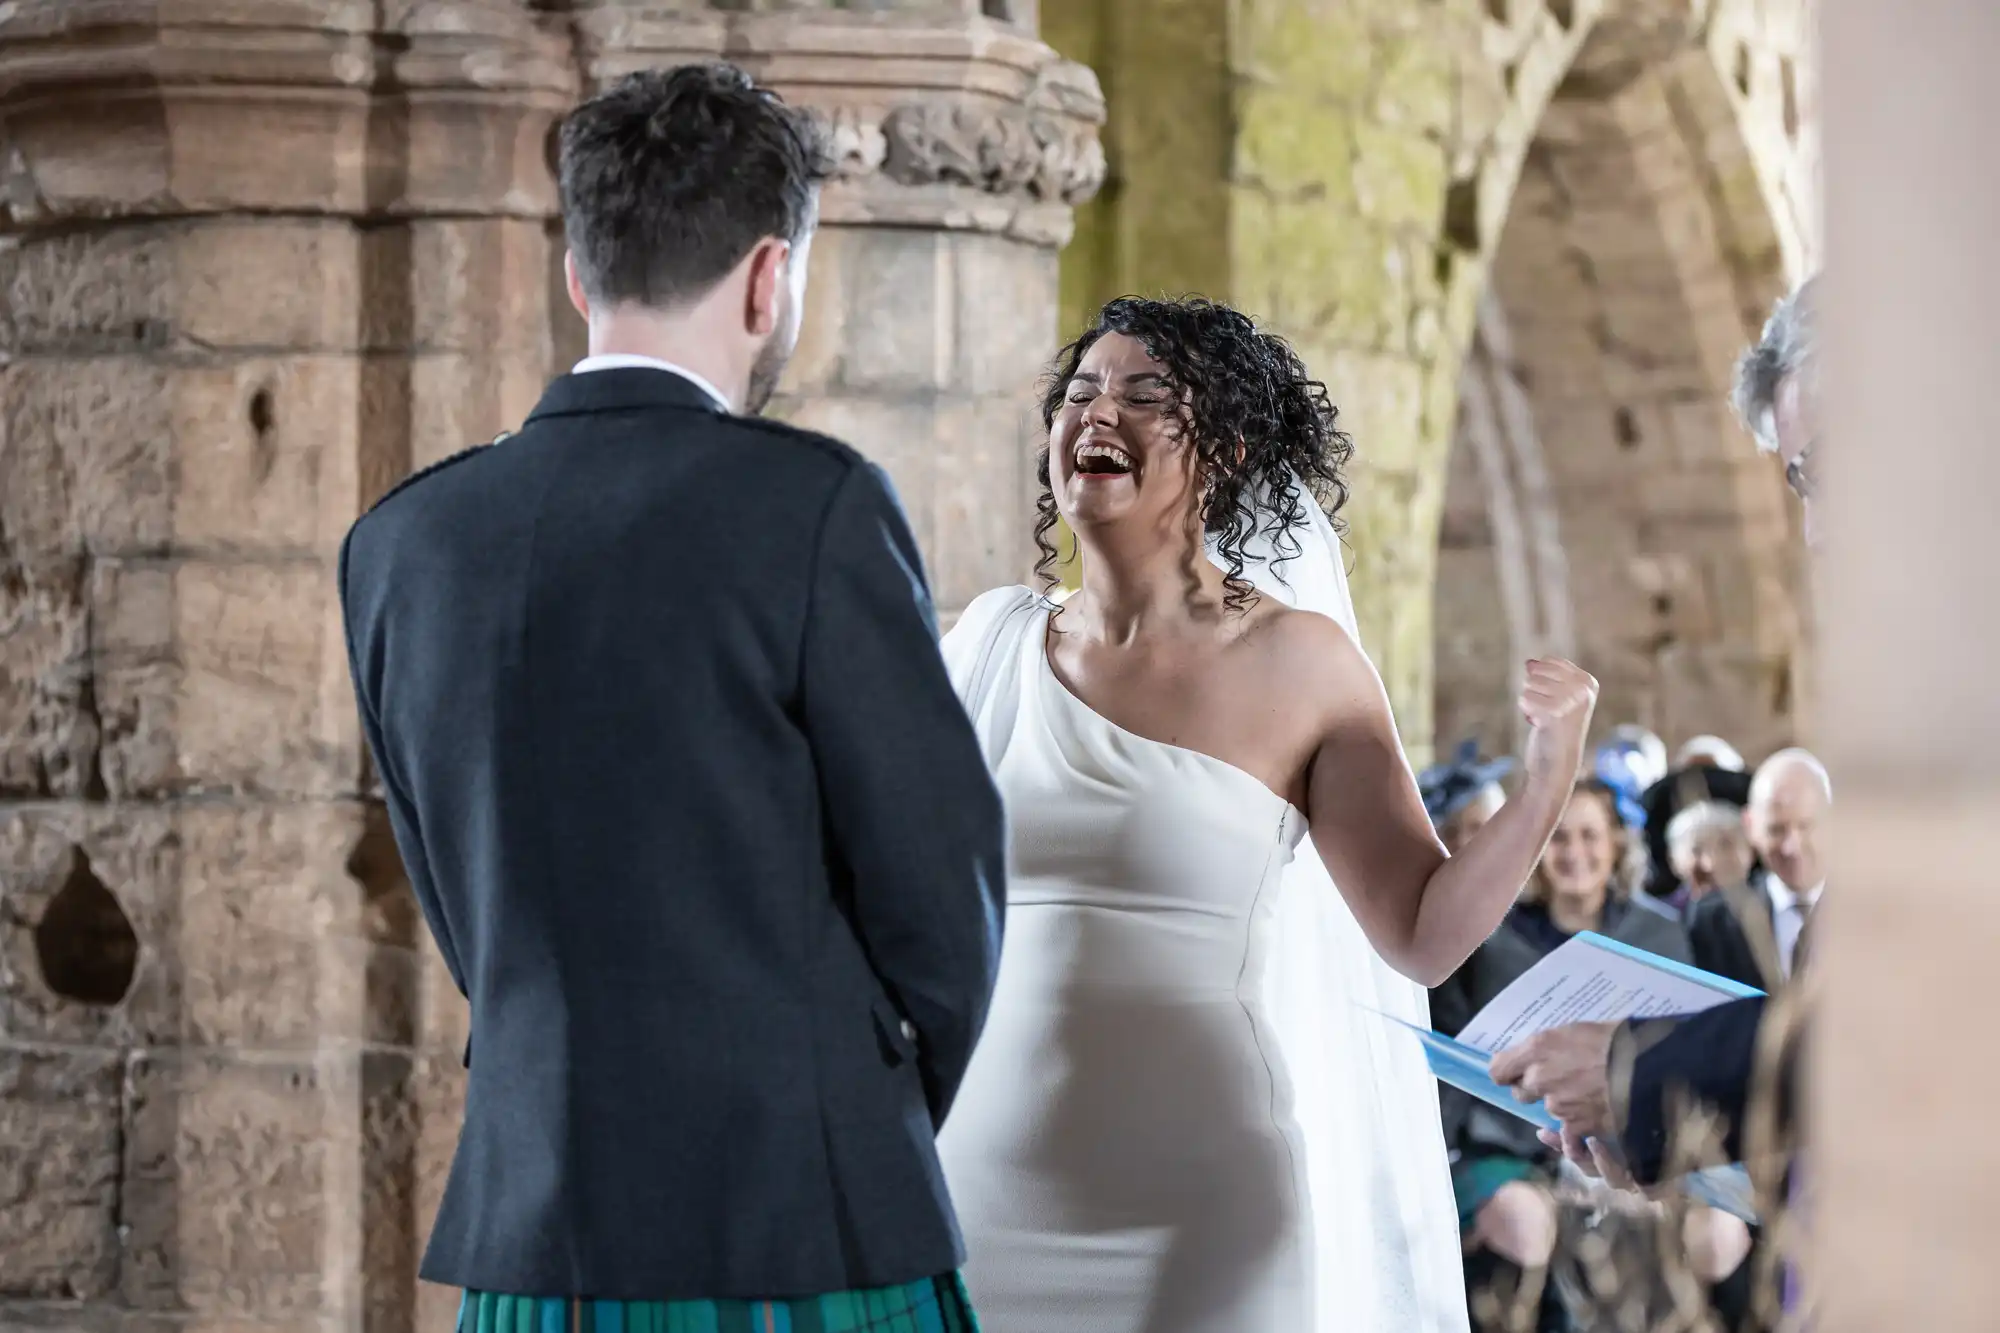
(1567, 1070)
(1594, 1157)
(1557, 698)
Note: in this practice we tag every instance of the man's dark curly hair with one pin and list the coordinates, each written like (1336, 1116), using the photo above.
(1252, 416)
(670, 176)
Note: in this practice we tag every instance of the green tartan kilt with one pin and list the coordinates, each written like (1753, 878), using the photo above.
(933, 1305)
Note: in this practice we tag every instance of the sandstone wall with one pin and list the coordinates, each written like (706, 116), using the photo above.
(1604, 502)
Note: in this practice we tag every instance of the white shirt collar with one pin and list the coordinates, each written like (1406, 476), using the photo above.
(1784, 897)
(629, 361)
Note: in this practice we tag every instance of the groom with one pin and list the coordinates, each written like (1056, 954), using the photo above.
(654, 693)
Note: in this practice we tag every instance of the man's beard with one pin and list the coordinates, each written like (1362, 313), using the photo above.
(768, 369)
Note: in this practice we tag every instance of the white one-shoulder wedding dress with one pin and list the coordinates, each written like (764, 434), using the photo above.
(1186, 1114)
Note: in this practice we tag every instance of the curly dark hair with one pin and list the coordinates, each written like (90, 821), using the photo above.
(1252, 414)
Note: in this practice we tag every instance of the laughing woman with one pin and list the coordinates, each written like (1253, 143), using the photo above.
(1168, 1126)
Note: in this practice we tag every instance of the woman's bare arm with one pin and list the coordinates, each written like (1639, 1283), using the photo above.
(1423, 911)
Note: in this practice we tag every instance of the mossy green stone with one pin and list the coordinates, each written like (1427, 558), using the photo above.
(1293, 157)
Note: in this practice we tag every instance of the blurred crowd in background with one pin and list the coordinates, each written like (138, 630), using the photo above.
(1695, 854)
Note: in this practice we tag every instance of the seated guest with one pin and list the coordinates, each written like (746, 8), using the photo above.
(1584, 882)
(1689, 784)
(1646, 753)
(1751, 933)
(1463, 795)
(1627, 764)
(1501, 1170)
(1708, 850)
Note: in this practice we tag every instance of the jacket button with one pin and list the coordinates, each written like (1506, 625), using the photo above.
(909, 1030)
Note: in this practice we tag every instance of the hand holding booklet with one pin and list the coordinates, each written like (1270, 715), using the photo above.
(1588, 979)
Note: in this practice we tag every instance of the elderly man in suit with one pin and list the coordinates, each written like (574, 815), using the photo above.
(1751, 931)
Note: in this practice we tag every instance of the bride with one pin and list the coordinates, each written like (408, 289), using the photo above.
(1188, 1113)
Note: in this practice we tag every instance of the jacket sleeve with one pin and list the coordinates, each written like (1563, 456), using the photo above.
(1701, 938)
(357, 615)
(1658, 1066)
(1667, 937)
(913, 817)
(1711, 951)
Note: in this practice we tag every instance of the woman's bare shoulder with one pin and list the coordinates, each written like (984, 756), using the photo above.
(1314, 659)
(1307, 638)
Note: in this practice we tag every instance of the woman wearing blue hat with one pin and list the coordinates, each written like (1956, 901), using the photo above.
(1462, 795)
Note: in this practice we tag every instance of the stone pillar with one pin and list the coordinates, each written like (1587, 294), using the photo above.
(256, 261)
(1906, 1163)
(964, 143)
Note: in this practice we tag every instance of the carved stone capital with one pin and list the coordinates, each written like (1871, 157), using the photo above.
(956, 123)
(168, 107)
(1004, 151)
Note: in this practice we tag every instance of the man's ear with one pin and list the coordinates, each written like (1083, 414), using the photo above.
(764, 293)
(577, 297)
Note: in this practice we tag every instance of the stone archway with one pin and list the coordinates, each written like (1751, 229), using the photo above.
(1601, 501)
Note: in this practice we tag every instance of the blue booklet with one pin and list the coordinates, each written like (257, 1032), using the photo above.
(1588, 979)
(1465, 1068)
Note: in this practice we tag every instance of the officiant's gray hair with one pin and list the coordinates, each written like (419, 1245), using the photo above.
(1787, 348)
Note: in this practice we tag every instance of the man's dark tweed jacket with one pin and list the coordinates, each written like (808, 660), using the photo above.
(656, 701)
